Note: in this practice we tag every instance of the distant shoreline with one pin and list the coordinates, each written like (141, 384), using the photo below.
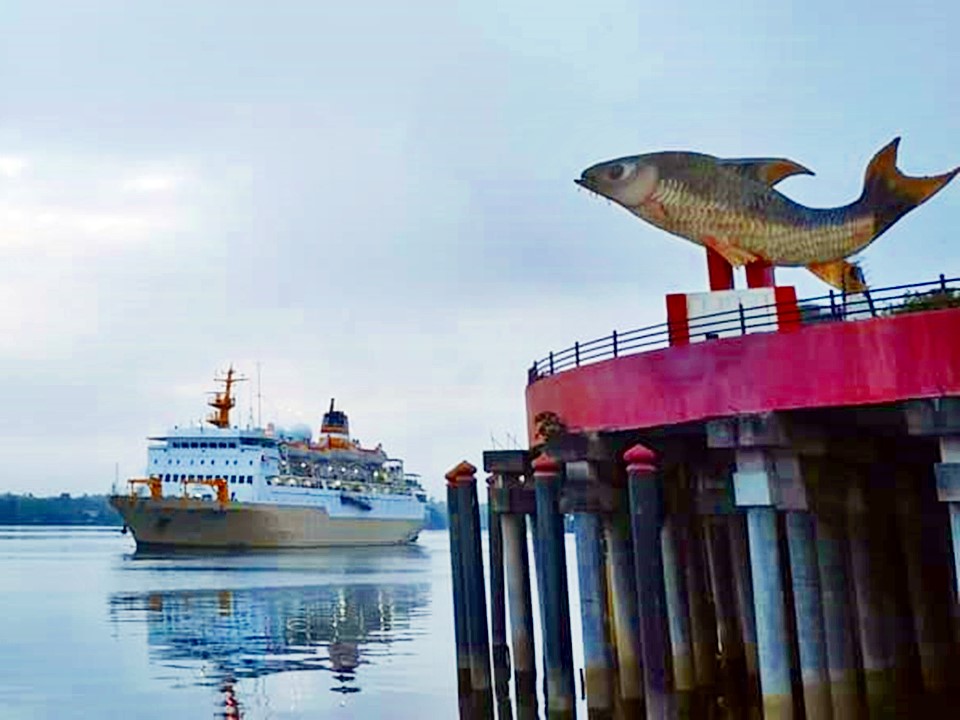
(63, 510)
(95, 511)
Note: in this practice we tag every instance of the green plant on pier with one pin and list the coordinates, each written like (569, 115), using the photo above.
(933, 300)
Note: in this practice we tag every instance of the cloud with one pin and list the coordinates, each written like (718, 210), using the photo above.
(376, 201)
(154, 182)
(11, 167)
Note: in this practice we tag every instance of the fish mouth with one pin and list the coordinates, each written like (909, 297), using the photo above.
(585, 182)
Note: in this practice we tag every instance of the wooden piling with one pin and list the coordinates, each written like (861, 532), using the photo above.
(596, 648)
(646, 514)
(556, 604)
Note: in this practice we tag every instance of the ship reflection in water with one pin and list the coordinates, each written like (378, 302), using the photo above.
(228, 636)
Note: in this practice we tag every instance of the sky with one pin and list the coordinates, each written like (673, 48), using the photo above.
(375, 202)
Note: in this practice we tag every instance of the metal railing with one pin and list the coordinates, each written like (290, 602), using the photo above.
(832, 307)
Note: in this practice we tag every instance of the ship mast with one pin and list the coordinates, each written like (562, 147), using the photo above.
(223, 402)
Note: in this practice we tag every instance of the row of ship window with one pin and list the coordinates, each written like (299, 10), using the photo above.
(212, 462)
(234, 479)
(222, 445)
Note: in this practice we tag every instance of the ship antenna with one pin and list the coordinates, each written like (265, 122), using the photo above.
(259, 399)
(331, 404)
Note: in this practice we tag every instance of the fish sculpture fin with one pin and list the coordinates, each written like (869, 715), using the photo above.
(769, 171)
(843, 275)
(728, 251)
(889, 194)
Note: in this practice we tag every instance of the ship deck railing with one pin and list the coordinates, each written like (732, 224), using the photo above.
(378, 488)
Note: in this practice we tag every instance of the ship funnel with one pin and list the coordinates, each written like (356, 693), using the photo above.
(335, 421)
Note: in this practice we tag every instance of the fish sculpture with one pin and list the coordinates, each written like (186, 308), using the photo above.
(731, 207)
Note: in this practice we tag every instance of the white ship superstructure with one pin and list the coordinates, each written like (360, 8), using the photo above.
(222, 486)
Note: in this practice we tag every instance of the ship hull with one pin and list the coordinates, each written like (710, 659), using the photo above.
(195, 523)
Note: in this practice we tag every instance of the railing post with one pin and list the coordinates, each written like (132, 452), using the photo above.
(833, 305)
(576, 353)
(551, 362)
(743, 319)
(943, 284)
(614, 343)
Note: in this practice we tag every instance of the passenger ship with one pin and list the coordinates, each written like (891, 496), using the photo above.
(225, 487)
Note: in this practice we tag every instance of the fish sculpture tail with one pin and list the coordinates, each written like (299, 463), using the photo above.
(890, 194)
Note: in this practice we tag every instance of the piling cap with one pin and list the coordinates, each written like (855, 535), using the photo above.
(464, 473)
(640, 459)
(545, 465)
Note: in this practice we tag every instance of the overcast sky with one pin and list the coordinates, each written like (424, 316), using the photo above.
(375, 199)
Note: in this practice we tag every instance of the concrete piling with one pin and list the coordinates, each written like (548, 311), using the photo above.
(516, 560)
(808, 609)
(596, 648)
(465, 485)
(558, 662)
(818, 584)
(703, 621)
(498, 612)
(768, 599)
(875, 653)
(733, 669)
(756, 490)
(646, 514)
(625, 620)
(538, 568)
(678, 614)
(743, 585)
(461, 631)
(838, 620)
(931, 624)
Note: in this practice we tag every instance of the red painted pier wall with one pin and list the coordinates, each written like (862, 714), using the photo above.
(833, 364)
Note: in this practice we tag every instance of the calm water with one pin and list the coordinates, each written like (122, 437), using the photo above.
(89, 629)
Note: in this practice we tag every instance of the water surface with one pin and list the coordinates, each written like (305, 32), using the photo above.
(91, 629)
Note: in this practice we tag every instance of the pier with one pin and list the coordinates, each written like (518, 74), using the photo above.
(765, 497)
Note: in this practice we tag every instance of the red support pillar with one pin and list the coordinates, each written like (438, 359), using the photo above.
(760, 274)
(719, 270)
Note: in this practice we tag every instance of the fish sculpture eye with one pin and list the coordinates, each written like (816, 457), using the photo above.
(616, 171)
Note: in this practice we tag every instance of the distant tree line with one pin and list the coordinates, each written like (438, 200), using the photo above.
(60, 510)
(95, 510)
(437, 517)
